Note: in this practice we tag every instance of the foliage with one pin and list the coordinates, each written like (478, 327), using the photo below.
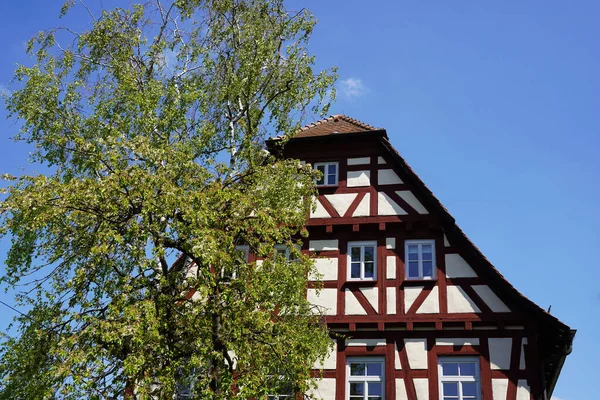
(152, 125)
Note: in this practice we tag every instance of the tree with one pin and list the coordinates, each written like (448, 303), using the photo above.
(152, 126)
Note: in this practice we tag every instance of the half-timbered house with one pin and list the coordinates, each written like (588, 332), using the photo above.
(422, 313)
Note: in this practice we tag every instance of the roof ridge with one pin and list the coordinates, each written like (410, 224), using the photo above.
(333, 117)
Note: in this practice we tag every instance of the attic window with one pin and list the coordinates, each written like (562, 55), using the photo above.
(329, 171)
(419, 259)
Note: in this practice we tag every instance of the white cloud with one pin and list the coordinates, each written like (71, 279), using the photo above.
(352, 88)
(4, 90)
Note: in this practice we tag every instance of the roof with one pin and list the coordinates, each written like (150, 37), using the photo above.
(335, 124)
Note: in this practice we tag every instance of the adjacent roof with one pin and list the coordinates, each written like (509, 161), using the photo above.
(334, 124)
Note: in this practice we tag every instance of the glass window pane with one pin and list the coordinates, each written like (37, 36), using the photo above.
(427, 268)
(467, 369)
(321, 169)
(413, 257)
(355, 270)
(369, 270)
(469, 389)
(413, 269)
(413, 249)
(374, 369)
(355, 253)
(374, 397)
(369, 253)
(357, 369)
(426, 249)
(450, 369)
(450, 388)
(357, 388)
(331, 180)
(375, 389)
(332, 169)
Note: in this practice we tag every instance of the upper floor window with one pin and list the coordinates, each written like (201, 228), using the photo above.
(231, 273)
(459, 378)
(365, 378)
(420, 259)
(283, 250)
(362, 261)
(329, 171)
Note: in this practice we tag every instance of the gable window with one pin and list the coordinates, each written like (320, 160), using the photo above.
(459, 378)
(329, 171)
(420, 259)
(362, 261)
(365, 378)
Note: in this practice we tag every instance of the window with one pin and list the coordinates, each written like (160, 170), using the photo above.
(227, 274)
(459, 378)
(362, 261)
(420, 259)
(282, 250)
(330, 173)
(365, 378)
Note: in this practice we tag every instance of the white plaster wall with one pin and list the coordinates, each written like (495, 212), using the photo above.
(457, 267)
(499, 389)
(390, 299)
(397, 364)
(353, 307)
(325, 389)
(490, 298)
(387, 206)
(459, 301)
(401, 390)
(416, 350)
(364, 207)
(422, 388)
(372, 295)
(380, 160)
(410, 295)
(319, 211)
(341, 202)
(330, 361)
(412, 201)
(446, 242)
(359, 160)
(327, 267)
(457, 342)
(522, 358)
(390, 243)
(358, 178)
(523, 390)
(365, 342)
(431, 305)
(326, 300)
(323, 245)
(390, 262)
(387, 177)
(500, 349)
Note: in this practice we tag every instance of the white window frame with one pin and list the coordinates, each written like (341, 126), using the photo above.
(459, 379)
(362, 245)
(325, 174)
(365, 379)
(420, 261)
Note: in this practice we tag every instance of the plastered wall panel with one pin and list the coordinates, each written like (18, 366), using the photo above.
(359, 160)
(422, 388)
(372, 295)
(500, 349)
(390, 243)
(522, 364)
(416, 350)
(412, 201)
(365, 342)
(330, 361)
(353, 307)
(390, 262)
(431, 305)
(397, 363)
(401, 390)
(325, 300)
(319, 211)
(323, 245)
(325, 389)
(388, 177)
(490, 298)
(457, 267)
(499, 389)
(358, 178)
(523, 392)
(341, 202)
(457, 342)
(390, 299)
(327, 268)
(459, 301)
(410, 295)
(364, 207)
(387, 206)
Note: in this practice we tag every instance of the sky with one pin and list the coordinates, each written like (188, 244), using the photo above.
(495, 105)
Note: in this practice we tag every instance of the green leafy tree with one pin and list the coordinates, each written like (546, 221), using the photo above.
(152, 125)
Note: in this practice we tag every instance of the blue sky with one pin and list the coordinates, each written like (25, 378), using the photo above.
(495, 106)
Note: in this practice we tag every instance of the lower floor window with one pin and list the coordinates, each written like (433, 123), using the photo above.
(365, 377)
(459, 378)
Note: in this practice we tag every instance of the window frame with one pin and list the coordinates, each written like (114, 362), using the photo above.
(421, 277)
(365, 378)
(362, 245)
(460, 379)
(326, 165)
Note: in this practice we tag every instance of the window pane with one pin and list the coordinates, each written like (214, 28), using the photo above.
(427, 268)
(357, 369)
(355, 253)
(413, 257)
(331, 180)
(355, 270)
(321, 169)
(467, 369)
(469, 389)
(413, 249)
(375, 389)
(427, 250)
(332, 169)
(450, 389)
(449, 369)
(357, 388)
(369, 253)
(369, 270)
(374, 369)
(413, 269)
